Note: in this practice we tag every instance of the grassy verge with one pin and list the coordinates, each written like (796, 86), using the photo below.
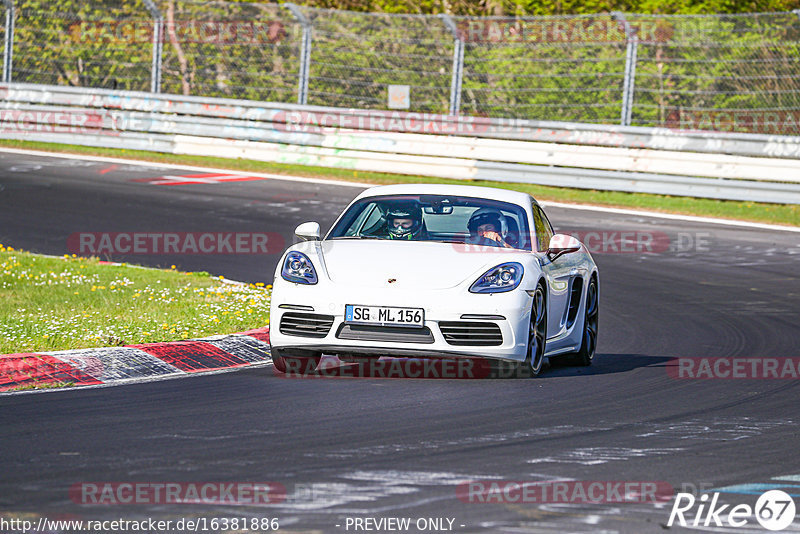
(51, 303)
(726, 209)
(43, 385)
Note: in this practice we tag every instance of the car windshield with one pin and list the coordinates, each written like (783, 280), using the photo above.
(448, 219)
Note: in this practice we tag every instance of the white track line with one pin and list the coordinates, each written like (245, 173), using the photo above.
(584, 207)
(209, 170)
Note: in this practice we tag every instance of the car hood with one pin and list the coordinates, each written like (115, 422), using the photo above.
(421, 265)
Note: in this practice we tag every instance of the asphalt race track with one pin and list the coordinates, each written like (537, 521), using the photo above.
(377, 448)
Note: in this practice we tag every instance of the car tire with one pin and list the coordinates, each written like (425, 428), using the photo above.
(585, 354)
(537, 333)
(295, 364)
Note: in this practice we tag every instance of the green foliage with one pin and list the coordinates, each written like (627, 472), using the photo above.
(92, 43)
(230, 49)
(556, 7)
(724, 72)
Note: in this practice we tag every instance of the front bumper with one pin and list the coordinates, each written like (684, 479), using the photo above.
(510, 312)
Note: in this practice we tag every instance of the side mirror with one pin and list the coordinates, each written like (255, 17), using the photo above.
(308, 231)
(562, 244)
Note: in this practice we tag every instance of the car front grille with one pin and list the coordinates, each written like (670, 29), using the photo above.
(306, 324)
(471, 333)
(392, 334)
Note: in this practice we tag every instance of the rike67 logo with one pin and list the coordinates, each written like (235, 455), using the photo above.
(774, 510)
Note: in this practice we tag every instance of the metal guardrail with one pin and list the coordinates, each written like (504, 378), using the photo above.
(749, 167)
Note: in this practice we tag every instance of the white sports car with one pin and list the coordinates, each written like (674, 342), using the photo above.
(435, 271)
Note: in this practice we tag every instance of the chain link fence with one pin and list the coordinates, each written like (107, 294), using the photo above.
(716, 72)
(74, 43)
(724, 72)
(355, 57)
(548, 68)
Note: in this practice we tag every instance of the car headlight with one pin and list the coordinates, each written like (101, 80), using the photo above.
(500, 279)
(299, 269)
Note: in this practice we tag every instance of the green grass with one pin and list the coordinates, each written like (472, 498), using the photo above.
(49, 303)
(725, 209)
(42, 385)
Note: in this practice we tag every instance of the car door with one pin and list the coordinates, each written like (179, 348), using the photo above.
(560, 273)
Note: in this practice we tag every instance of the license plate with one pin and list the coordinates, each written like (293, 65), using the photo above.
(384, 315)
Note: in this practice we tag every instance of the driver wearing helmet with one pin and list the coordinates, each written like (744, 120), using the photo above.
(404, 221)
(488, 225)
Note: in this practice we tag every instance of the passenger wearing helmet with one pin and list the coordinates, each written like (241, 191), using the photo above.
(404, 221)
(488, 225)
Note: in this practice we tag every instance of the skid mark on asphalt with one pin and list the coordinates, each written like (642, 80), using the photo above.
(204, 436)
(502, 437)
(380, 492)
(393, 477)
(602, 455)
(388, 490)
(328, 496)
(729, 429)
(193, 179)
(25, 167)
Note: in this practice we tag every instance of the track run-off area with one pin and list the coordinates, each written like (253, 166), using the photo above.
(334, 450)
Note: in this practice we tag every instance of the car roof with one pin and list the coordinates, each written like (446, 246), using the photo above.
(492, 193)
